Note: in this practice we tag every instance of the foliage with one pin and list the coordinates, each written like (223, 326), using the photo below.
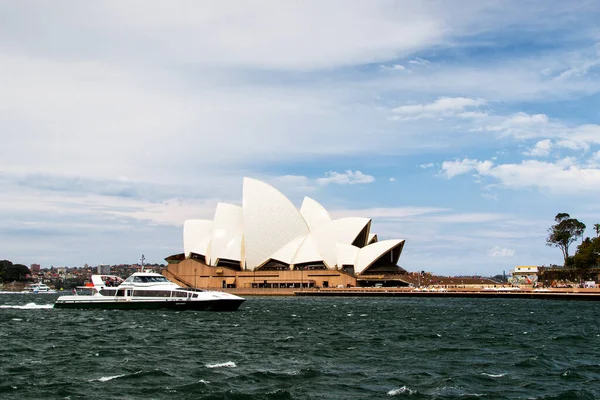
(566, 231)
(597, 229)
(588, 254)
(13, 272)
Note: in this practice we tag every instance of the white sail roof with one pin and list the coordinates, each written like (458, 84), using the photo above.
(287, 252)
(271, 221)
(268, 226)
(314, 213)
(227, 233)
(308, 251)
(195, 233)
(368, 255)
(342, 230)
(346, 254)
(372, 238)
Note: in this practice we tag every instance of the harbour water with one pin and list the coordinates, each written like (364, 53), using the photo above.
(303, 348)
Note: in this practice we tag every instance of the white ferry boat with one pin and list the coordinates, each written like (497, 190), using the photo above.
(146, 290)
(38, 288)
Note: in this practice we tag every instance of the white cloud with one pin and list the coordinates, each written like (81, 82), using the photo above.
(418, 61)
(562, 176)
(348, 177)
(383, 213)
(582, 68)
(428, 165)
(498, 251)
(572, 145)
(395, 67)
(442, 107)
(541, 149)
(458, 167)
(518, 122)
(392, 179)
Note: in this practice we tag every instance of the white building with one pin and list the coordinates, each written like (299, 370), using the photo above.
(269, 233)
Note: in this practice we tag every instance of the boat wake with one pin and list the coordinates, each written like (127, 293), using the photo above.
(29, 306)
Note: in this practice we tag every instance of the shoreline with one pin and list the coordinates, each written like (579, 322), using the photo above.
(528, 293)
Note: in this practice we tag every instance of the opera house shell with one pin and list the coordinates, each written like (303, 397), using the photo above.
(271, 238)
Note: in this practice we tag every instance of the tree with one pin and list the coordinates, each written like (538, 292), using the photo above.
(564, 233)
(16, 272)
(588, 253)
(597, 229)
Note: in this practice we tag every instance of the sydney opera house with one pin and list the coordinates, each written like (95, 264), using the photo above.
(270, 243)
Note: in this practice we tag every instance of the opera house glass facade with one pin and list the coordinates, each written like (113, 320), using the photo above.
(270, 243)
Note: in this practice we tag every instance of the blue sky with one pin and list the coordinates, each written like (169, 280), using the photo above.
(462, 127)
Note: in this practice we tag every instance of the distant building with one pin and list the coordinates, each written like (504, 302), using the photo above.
(35, 268)
(525, 275)
(103, 269)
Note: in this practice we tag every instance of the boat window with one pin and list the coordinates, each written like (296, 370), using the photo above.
(180, 294)
(152, 293)
(108, 292)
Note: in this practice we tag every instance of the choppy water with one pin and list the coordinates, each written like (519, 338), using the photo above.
(303, 348)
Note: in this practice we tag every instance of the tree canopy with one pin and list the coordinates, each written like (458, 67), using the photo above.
(588, 254)
(566, 231)
(13, 272)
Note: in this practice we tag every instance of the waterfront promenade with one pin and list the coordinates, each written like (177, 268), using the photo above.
(506, 292)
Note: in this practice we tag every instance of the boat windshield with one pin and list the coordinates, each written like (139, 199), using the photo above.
(145, 279)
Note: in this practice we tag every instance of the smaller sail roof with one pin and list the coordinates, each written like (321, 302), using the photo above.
(368, 255)
(195, 235)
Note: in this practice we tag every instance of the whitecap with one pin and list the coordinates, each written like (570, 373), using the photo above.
(107, 378)
(228, 364)
(493, 375)
(349, 315)
(402, 390)
(17, 319)
(29, 306)
(203, 381)
(364, 315)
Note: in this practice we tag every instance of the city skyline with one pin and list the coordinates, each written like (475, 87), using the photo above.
(461, 127)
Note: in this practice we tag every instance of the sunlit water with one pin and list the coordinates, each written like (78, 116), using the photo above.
(303, 348)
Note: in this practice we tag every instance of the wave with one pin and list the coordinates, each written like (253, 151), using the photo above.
(228, 364)
(493, 375)
(402, 390)
(29, 306)
(107, 378)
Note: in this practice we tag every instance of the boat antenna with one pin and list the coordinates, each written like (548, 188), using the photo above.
(143, 258)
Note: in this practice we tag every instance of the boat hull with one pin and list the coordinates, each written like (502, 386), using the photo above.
(133, 304)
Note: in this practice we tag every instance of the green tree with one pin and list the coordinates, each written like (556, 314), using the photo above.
(4, 264)
(588, 254)
(16, 272)
(564, 233)
(597, 229)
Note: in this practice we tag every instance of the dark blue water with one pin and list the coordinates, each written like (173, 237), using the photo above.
(304, 348)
